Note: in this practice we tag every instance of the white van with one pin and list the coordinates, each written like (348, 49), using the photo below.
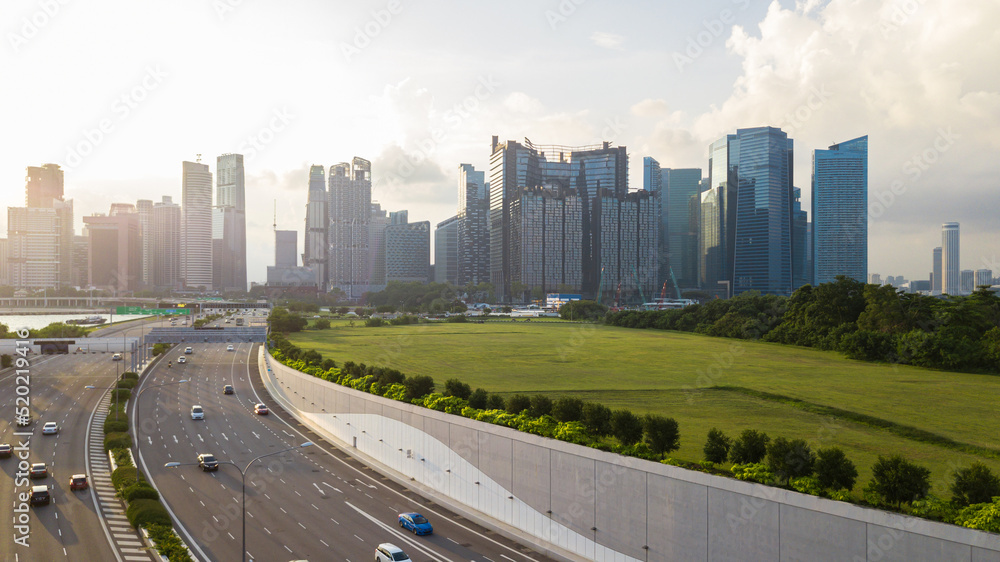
(197, 412)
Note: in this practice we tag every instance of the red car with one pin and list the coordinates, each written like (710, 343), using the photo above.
(260, 409)
(78, 482)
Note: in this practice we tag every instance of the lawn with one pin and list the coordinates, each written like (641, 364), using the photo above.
(673, 374)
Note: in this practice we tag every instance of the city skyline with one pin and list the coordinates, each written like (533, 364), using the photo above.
(724, 66)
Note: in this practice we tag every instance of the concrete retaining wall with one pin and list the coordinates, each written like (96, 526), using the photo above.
(589, 504)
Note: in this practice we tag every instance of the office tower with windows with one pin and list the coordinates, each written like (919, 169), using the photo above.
(446, 251)
(951, 283)
(44, 190)
(4, 280)
(350, 201)
(166, 233)
(547, 233)
(718, 218)
(801, 270)
(984, 277)
(968, 281)
(316, 254)
(196, 226)
(145, 209)
(115, 256)
(840, 211)
(376, 245)
(34, 238)
(681, 212)
(43, 186)
(229, 244)
(286, 244)
(473, 226)
(652, 181)
(407, 249)
(937, 274)
(81, 259)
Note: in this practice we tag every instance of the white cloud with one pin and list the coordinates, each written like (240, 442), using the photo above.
(650, 108)
(607, 40)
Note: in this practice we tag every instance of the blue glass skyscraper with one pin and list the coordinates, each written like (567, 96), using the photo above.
(840, 211)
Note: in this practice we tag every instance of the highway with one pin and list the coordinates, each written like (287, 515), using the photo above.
(314, 503)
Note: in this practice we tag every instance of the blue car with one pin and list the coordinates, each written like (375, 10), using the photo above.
(416, 523)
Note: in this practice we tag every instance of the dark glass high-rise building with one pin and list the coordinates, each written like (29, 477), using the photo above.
(681, 215)
(473, 244)
(446, 251)
(229, 225)
(316, 252)
(840, 211)
(801, 253)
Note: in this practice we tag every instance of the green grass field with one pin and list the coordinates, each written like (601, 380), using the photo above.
(673, 374)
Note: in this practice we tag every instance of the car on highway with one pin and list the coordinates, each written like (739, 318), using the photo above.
(6, 450)
(415, 523)
(227, 321)
(230, 348)
(260, 409)
(38, 470)
(228, 389)
(182, 359)
(40, 495)
(50, 428)
(388, 552)
(208, 462)
(116, 357)
(188, 350)
(78, 482)
(197, 412)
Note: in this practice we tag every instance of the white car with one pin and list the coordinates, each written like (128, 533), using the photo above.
(230, 348)
(50, 428)
(387, 552)
(182, 359)
(197, 412)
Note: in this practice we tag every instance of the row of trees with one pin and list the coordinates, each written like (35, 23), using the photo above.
(427, 297)
(868, 322)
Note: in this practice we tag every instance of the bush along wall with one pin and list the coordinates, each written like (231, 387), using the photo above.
(755, 457)
(143, 506)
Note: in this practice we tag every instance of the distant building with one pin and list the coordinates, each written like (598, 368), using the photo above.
(286, 246)
(968, 281)
(446, 251)
(4, 280)
(115, 251)
(350, 201)
(229, 271)
(876, 279)
(316, 254)
(936, 275)
(802, 266)
(680, 215)
(34, 253)
(407, 250)
(145, 209)
(473, 226)
(43, 186)
(840, 211)
(920, 286)
(546, 235)
(285, 276)
(951, 278)
(81, 259)
(984, 277)
(376, 245)
(196, 227)
(166, 228)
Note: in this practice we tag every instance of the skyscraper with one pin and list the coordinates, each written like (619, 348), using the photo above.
(166, 229)
(652, 181)
(316, 255)
(951, 282)
(984, 277)
(145, 209)
(681, 214)
(446, 253)
(3, 262)
(746, 241)
(801, 263)
(196, 227)
(937, 276)
(43, 185)
(968, 281)
(547, 234)
(407, 249)
(840, 211)
(44, 190)
(115, 250)
(350, 202)
(377, 222)
(286, 245)
(229, 225)
(473, 226)
(34, 237)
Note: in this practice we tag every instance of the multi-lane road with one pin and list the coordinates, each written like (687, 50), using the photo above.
(313, 503)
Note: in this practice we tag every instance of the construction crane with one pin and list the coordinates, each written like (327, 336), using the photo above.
(663, 291)
(676, 286)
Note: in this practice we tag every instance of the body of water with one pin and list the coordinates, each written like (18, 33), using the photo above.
(16, 322)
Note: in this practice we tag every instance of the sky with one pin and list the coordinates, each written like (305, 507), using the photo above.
(121, 92)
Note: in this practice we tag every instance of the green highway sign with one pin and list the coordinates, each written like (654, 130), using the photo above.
(151, 311)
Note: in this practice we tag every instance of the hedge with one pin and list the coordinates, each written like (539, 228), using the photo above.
(122, 458)
(124, 476)
(117, 440)
(147, 512)
(129, 375)
(168, 543)
(139, 491)
(127, 383)
(111, 425)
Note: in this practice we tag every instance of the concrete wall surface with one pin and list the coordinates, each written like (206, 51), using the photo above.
(586, 504)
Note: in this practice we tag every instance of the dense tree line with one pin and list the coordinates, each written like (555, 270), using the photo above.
(426, 297)
(868, 322)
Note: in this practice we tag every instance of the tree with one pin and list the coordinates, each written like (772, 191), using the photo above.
(662, 433)
(321, 324)
(541, 405)
(328, 364)
(750, 447)
(975, 484)
(596, 418)
(283, 321)
(790, 459)
(518, 403)
(583, 310)
(717, 446)
(567, 409)
(626, 427)
(455, 387)
(418, 386)
(834, 470)
(897, 480)
(495, 402)
(343, 310)
(479, 399)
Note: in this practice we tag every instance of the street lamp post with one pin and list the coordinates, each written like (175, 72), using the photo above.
(243, 476)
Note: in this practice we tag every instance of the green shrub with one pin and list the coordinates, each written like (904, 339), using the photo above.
(122, 458)
(567, 409)
(753, 472)
(124, 476)
(168, 543)
(115, 426)
(982, 516)
(790, 459)
(896, 480)
(117, 441)
(596, 418)
(375, 322)
(496, 402)
(541, 405)
(934, 508)
(806, 485)
(518, 403)
(662, 434)
(717, 447)
(479, 399)
(626, 427)
(139, 491)
(120, 394)
(455, 387)
(975, 484)
(834, 470)
(127, 383)
(749, 448)
(141, 513)
(129, 375)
